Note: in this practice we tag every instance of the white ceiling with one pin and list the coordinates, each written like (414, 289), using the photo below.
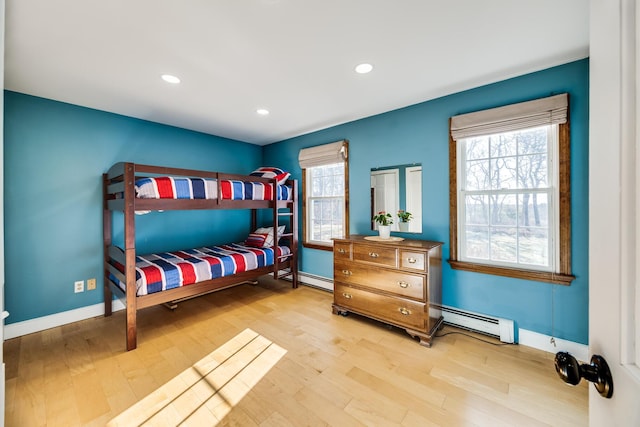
(292, 57)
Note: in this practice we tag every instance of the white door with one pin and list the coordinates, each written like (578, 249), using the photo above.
(385, 194)
(614, 208)
(3, 314)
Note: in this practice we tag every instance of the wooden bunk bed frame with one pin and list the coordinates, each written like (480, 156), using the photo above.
(119, 195)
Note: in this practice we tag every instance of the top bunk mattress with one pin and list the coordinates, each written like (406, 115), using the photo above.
(166, 187)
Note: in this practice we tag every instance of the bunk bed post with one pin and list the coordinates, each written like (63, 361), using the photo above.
(130, 254)
(276, 258)
(254, 219)
(106, 234)
(294, 229)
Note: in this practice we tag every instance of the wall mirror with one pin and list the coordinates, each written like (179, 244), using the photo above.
(395, 188)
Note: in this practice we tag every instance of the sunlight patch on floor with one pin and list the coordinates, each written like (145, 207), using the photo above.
(205, 393)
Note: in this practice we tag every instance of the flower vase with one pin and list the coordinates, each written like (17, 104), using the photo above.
(404, 226)
(384, 231)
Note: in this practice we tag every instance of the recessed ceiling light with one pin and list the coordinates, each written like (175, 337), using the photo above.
(170, 79)
(262, 111)
(364, 68)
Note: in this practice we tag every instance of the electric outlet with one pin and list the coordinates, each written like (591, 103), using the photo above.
(78, 286)
(91, 284)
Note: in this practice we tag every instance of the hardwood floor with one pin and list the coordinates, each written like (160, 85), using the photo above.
(269, 355)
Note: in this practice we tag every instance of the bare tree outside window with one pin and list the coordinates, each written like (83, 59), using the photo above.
(506, 196)
(327, 193)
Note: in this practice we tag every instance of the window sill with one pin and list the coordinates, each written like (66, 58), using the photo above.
(538, 276)
(328, 247)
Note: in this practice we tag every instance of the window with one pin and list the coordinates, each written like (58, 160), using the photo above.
(506, 198)
(510, 191)
(325, 194)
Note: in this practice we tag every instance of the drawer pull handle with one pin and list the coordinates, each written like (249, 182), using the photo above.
(404, 311)
(341, 250)
(346, 272)
(346, 295)
(411, 260)
(403, 284)
(373, 255)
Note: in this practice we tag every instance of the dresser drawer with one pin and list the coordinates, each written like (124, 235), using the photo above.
(396, 282)
(341, 250)
(414, 260)
(399, 311)
(375, 254)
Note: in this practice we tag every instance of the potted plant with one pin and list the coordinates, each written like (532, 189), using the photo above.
(404, 217)
(384, 221)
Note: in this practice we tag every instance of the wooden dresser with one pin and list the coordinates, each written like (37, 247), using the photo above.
(396, 282)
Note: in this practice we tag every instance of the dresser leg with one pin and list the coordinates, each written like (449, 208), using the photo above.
(338, 310)
(425, 340)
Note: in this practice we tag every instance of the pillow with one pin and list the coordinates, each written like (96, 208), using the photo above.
(269, 172)
(256, 240)
(268, 231)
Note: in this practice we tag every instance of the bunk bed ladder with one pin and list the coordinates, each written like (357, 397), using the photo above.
(289, 211)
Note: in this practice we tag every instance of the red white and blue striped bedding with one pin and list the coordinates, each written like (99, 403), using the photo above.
(167, 187)
(168, 270)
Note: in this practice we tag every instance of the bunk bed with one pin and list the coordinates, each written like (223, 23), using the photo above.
(142, 281)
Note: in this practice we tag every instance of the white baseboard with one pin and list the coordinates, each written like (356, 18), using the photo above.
(312, 280)
(525, 337)
(493, 326)
(316, 281)
(30, 326)
(544, 343)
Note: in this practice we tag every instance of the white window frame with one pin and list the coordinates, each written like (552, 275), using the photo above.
(551, 191)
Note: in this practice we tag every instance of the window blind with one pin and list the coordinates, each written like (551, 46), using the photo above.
(326, 154)
(539, 112)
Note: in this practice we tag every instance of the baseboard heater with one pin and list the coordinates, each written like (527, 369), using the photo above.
(503, 329)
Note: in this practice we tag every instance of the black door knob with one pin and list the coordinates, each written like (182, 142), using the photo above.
(571, 372)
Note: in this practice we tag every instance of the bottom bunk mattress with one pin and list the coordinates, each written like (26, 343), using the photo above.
(168, 270)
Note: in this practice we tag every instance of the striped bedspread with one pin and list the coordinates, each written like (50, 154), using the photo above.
(167, 187)
(168, 270)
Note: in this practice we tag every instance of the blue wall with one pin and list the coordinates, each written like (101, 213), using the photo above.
(419, 134)
(55, 155)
